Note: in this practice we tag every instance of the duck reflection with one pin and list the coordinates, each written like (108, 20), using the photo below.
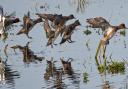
(58, 80)
(10, 75)
(69, 72)
(50, 70)
(106, 84)
(102, 68)
(53, 75)
(2, 70)
(67, 68)
(28, 54)
(56, 76)
(7, 75)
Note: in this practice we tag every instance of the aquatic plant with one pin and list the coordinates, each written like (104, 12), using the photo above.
(87, 44)
(116, 67)
(102, 67)
(85, 75)
(5, 36)
(87, 32)
(123, 32)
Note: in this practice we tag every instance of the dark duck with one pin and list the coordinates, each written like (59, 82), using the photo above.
(68, 31)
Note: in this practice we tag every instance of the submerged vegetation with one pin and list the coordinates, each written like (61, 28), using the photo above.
(123, 32)
(87, 32)
(116, 67)
(113, 67)
(85, 75)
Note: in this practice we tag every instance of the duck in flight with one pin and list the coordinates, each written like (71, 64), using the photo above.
(6, 21)
(28, 24)
(98, 22)
(109, 32)
(68, 31)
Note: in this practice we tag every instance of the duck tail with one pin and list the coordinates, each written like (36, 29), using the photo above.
(21, 31)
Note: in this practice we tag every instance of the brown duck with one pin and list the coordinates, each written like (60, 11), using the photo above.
(110, 31)
(49, 33)
(28, 24)
(98, 22)
(50, 17)
(59, 24)
(68, 31)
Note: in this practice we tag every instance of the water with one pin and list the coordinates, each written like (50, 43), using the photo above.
(31, 75)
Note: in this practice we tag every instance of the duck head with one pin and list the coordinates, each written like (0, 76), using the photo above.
(77, 22)
(16, 20)
(122, 26)
(71, 16)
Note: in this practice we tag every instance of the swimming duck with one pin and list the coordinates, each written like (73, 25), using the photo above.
(28, 24)
(68, 31)
(98, 22)
(110, 31)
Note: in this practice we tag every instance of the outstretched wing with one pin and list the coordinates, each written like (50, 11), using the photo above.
(13, 14)
(1, 11)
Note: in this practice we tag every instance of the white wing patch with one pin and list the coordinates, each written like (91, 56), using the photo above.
(109, 31)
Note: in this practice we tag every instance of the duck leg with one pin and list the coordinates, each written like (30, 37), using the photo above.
(57, 32)
(104, 49)
(70, 40)
(28, 36)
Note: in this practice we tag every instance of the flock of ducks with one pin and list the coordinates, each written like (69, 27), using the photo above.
(55, 25)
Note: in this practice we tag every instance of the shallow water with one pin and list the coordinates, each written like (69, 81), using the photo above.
(22, 75)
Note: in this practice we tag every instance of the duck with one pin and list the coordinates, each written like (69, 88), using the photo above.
(98, 22)
(68, 31)
(50, 17)
(2, 21)
(6, 21)
(56, 19)
(110, 31)
(49, 33)
(10, 21)
(61, 24)
(28, 24)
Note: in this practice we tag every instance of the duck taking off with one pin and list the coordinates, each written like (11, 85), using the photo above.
(68, 31)
(6, 21)
(49, 33)
(28, 24)
(110, 31)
